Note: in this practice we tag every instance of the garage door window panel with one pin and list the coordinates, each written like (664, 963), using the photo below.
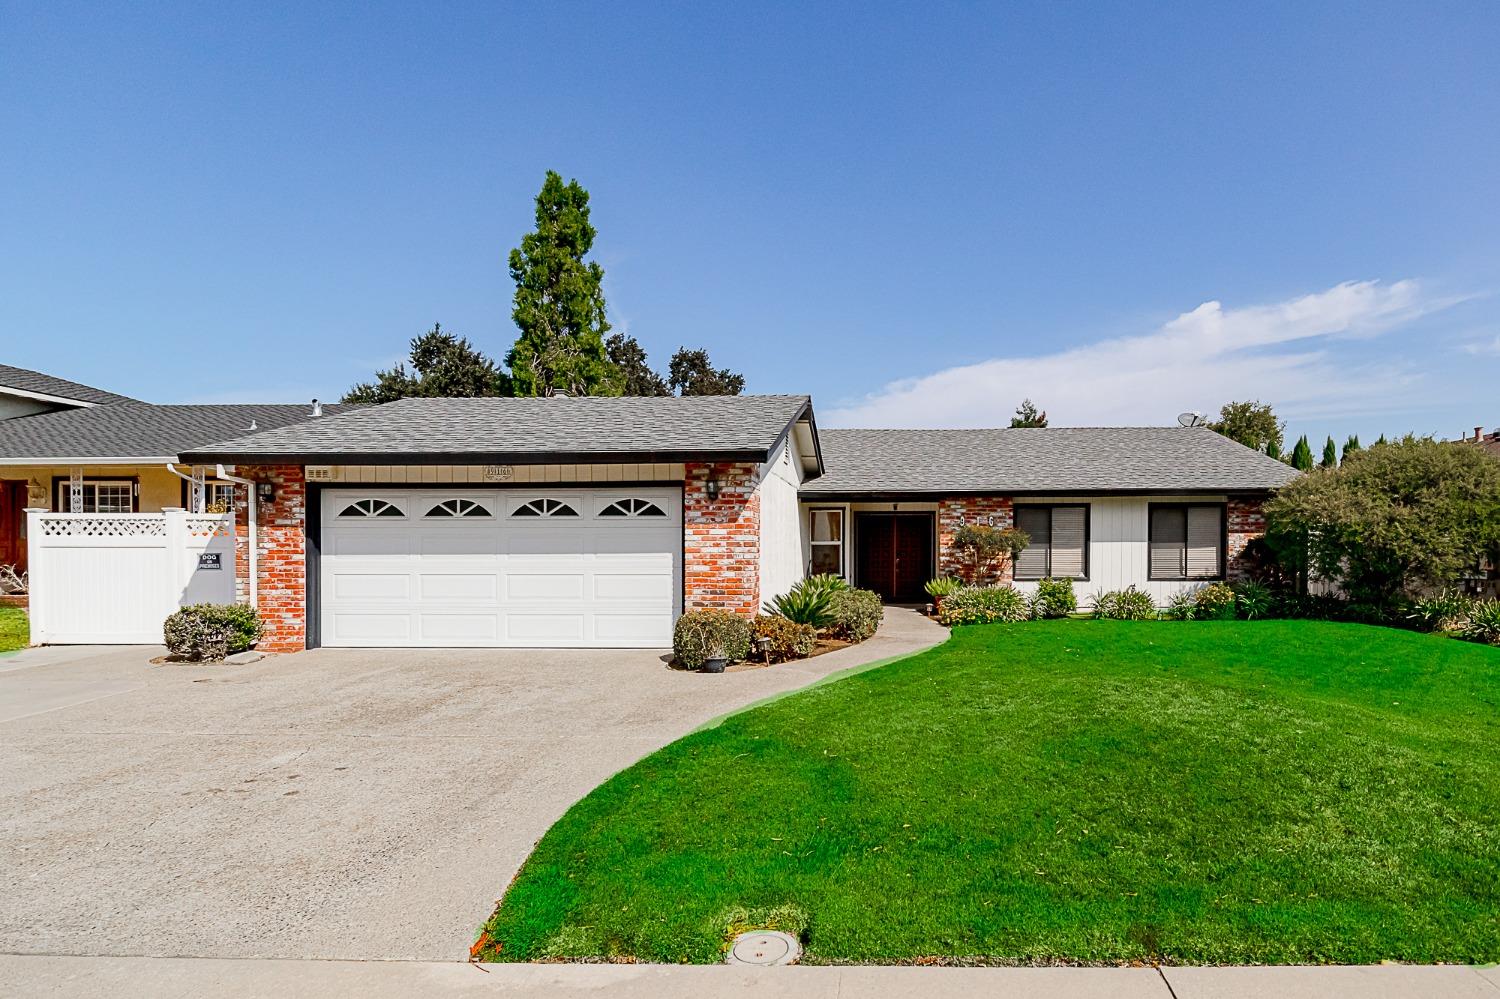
(459, 509)
(372, 508)
(545, 507)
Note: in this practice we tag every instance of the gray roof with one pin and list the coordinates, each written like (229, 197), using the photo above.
(26, 380)
(535, 430)
(1053, 460)
(137, 430)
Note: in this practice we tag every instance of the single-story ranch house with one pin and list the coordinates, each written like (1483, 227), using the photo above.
(594, 522)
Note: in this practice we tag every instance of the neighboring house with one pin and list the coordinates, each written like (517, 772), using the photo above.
(1490, 442)
(113, 458)
(24, 392)
(594, 522)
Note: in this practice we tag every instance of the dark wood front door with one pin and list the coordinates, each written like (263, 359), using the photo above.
(893, 554)
(12, 507)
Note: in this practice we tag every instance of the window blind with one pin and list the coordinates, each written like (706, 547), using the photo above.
(1035, 522)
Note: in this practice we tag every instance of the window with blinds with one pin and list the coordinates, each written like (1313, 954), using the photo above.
(1059, 542)
(1186, 541)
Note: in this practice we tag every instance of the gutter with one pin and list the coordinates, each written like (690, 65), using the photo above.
(254, 547)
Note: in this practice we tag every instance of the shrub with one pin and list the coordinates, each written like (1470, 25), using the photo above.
(789, 640)
(1253, 600)
(983, 605)
(1214, 601)
(709, 634)
(209, 632)
(1182, 606)
(942, 587)
(856, 614)
(1129, 604)
(809, 602)
(1448, 611)
(1054, 598)
(1483, 624)
(826, 581)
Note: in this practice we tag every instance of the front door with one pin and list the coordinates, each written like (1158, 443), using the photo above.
(12, 536)
(893, 554)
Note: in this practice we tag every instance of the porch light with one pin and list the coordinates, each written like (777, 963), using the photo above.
(265, 492)
(712, 485)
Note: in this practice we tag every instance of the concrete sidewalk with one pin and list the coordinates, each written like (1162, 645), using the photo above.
(169, 978)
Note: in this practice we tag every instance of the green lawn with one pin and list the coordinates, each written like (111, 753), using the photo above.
(1077, 791)
(14, 631)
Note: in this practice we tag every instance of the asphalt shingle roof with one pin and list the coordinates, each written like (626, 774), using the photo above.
(138, 429)
(27, 380)
(557, 429)
(1052, 460)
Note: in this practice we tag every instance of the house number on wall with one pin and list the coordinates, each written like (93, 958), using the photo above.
(498, 473)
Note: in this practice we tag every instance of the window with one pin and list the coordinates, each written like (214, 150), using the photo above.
(1059, 545)
(458, 508)
(99, 496)
(1186, 541)
(545, 508)
(826, 541)
(632, 508)
(371, 508)
(218, 497)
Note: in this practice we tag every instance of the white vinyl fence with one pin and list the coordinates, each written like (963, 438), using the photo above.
(112, 578)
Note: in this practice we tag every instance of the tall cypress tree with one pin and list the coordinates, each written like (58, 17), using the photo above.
(1273, 448)
(559, 303)
(1302, 459)
(1330, 453)
(1350, 446)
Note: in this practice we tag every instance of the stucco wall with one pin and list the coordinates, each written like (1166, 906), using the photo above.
(159, 487)
(782, 562)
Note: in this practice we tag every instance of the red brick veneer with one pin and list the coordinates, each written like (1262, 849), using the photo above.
(1245, 521)
(721, 537)
(282, 542)
(956, 511)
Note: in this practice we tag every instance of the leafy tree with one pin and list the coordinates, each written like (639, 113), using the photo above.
(442, 365)
(1253, 424)
(1302, 459)
(988, 548)
(1027, 416)
(637, 376)
(559, 302)
(1393, 519)
(690, 372)
(1351, 445)
(1330, 453)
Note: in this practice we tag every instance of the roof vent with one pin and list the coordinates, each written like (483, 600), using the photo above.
(317, 409)
(559, 394)
(252, 425)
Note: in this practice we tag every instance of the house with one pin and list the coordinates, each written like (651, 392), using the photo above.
(103, 453)
(594, 522)
(1490, 442)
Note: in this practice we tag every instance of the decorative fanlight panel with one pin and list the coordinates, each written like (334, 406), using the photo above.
(545, 508)
(371, 508)
(632, 506)
(458, 508)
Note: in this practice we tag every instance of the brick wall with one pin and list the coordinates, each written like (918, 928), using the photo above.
(1246, 521)
(721, 537)
(953, 513)
(281, 527)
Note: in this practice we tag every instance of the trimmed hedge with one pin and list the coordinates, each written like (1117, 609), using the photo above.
(984, 605)
(209, 632)
(856, 614)
(789, 639)
(1054, 598)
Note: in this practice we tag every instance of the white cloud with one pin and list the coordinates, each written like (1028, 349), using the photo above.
(1278, 353)
(1482, 347)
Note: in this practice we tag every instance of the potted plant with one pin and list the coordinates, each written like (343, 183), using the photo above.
(716, 659)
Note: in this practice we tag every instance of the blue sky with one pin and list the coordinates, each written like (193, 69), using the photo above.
(916, 213)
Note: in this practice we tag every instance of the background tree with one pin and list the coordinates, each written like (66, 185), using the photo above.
(1273, 449)
(1330, 453)
(1351, 445)
(1302, 458)
(442, 365)
(1393, 519)
(559, 301)
(690, 372)
(1027, 416)
(1253, 424)
(636, 376)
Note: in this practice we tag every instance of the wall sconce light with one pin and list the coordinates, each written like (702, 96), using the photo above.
(265, 492)
(712, 485)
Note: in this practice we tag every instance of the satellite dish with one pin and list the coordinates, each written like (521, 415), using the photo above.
(1190, 419)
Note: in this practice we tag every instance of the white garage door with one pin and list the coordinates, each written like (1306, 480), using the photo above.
(570, 568)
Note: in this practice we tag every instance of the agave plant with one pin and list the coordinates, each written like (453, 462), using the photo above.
(942, 586)
(806, 603)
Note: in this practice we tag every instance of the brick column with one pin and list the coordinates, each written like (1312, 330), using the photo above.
(281, 540)
(721, 537)
(1245, 521)
(956, 511)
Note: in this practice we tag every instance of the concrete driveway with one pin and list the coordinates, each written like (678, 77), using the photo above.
(332, 804)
